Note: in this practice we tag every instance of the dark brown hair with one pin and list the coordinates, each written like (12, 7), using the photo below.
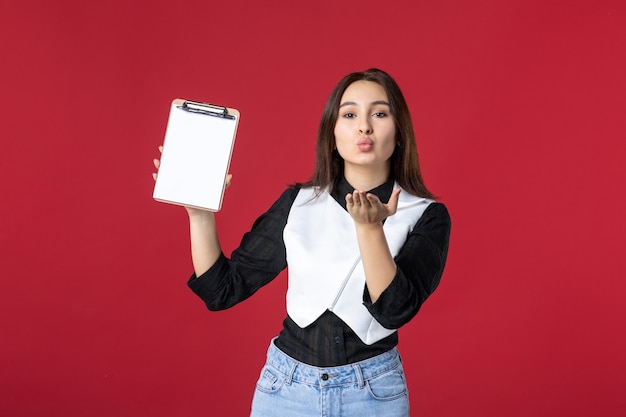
(404, 161)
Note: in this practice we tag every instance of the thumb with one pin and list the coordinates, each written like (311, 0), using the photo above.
(392, 205)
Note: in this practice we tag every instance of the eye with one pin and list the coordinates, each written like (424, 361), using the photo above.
(348, 115)
(380, 114)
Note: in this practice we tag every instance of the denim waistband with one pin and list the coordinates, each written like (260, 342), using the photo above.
(357, 372)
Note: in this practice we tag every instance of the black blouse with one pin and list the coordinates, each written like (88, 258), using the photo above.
(328, 341)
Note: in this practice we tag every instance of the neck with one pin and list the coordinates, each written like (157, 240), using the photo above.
(365, 179)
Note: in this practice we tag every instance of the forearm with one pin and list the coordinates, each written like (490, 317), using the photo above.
(420, 264)
(205, 246)
(378, 263)
(222, 282)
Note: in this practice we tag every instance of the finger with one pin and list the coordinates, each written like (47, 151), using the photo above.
(358, 196)
(372, 200)
(229, 177)
(161, 149)
(365, 199)
(349, 199)
(392, 205)
(157, 163)
(154, 175)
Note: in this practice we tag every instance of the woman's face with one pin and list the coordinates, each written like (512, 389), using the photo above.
(365, 129)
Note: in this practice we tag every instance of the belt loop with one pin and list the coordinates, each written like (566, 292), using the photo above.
(359, 375)
(294, 364)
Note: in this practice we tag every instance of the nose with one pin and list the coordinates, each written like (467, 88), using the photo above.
(365, 128)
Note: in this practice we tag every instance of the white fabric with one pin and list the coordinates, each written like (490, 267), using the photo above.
(325, 269)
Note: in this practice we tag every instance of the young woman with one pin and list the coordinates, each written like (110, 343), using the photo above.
(365, 243)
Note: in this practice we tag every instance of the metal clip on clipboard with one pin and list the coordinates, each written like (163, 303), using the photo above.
(208, 109)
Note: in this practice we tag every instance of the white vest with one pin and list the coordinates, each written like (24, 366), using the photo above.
(324, 263)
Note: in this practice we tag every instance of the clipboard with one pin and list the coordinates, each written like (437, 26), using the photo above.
(197, 150)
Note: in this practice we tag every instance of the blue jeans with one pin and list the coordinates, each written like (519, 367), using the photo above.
(373, 387)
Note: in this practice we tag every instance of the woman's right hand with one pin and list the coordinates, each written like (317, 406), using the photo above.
(192, 211)
(196, 212)
(157, 163)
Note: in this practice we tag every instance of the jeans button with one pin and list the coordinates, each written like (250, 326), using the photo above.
(324, 377)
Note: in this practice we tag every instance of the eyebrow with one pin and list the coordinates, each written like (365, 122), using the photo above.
(352, 103)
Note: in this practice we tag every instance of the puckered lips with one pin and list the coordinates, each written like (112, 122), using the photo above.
(365, 144)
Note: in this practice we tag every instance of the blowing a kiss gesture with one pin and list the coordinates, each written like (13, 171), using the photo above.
(368, 209)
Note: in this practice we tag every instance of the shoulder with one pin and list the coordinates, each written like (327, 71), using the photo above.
(279, 210)
(290, 193)
(286, 199)
(433, 210)
(435, 221)
(437, 210)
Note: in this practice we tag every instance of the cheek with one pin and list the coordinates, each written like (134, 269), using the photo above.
(340, 134)
(340, 129)
(390, 139)
(388, 151)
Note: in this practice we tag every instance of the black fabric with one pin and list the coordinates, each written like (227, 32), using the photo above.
(328, 341)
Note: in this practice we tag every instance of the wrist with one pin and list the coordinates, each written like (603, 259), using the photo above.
(369, 227)
(199, 216)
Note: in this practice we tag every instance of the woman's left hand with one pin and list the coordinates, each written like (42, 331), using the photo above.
(368, 209)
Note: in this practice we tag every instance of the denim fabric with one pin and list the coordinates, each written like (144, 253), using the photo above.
(373, 387)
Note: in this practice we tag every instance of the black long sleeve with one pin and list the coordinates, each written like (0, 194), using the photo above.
(261, 256)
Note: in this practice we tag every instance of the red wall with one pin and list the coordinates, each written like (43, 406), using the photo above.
(519, 108)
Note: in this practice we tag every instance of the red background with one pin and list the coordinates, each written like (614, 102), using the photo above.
(519, 110)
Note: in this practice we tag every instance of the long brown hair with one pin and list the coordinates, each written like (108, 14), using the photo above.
(405, 166)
